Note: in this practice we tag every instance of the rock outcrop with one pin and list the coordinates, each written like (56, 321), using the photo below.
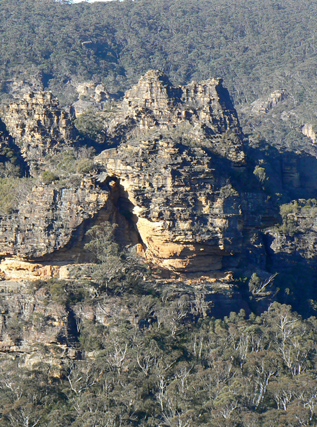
(199, 112)
(264, 105)
(46, 219)
(178, 182)
(173, 174)
(91, 96)
(39, 127)
(173, 178)
(308, 130)
(187, 215)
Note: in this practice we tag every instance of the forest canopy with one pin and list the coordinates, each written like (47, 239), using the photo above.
(255, 46)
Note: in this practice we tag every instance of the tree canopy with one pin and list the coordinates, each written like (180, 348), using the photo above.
(255, 46)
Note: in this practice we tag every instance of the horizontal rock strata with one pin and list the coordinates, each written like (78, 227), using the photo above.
(47, 218)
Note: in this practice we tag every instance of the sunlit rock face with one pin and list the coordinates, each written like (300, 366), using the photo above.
(201, 111)
(39, 127)
(173, 172)
(171, 181)
(187, 216)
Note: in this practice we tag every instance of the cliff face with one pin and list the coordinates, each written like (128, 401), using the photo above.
(179, 185)
(39, 127)
(48, 228)
(200, 112)
(174, 174)
(187, 215)
(206, 103)
(173, 179)
(47, 218)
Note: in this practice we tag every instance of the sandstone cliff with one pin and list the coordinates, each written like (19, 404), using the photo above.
(199, 112)
(177, 174)
(47, 217)
(174, 180)
(181, 186)
(39, 127)
(187, 215)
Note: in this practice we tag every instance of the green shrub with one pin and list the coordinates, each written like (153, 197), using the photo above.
(260, 173)
(289, 208)
(91, 336)
(290, 212)
(58, 291)
(92, 125)
(68, 162)
(11, 191)
(48, 177)
(85, 166)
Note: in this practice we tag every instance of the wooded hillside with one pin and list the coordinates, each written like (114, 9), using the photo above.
(255, 46)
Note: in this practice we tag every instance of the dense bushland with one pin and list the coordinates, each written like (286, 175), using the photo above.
(256, 47)
(157, 356)
(160, 363)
